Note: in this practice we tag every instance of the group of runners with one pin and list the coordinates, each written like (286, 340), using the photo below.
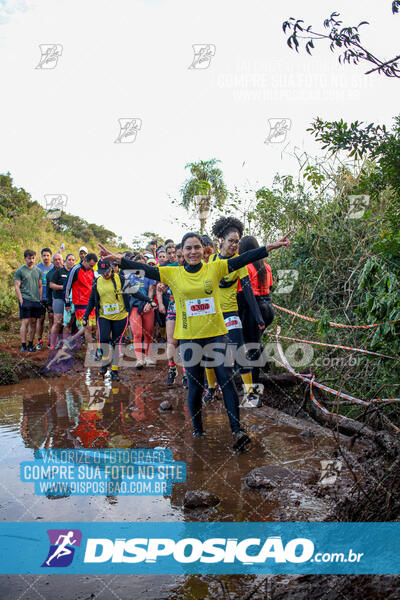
(209, 299)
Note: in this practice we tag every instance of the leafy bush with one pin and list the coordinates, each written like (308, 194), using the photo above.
(348, 268)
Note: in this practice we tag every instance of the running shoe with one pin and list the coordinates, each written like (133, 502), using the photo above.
(240, 440)
(24, 349)
(103, 371)
(251, 400)
(209, 395)
(94, 338)
(185, 381)
(115, 376)
(149, 362)
(171, 377)
(139, 364)
(99, 354)
(31, 349)
(40, 345)
(198, 434)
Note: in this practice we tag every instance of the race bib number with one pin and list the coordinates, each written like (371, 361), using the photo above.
(110, 309)
(199, 307)
(233, 322)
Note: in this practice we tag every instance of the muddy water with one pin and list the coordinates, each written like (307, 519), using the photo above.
(81, 411)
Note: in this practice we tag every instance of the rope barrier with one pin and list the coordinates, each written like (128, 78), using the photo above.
(335, 346)
(331, 323)
(287, 366)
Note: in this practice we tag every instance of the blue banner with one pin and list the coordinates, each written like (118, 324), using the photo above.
(214, 548)
(103, 472)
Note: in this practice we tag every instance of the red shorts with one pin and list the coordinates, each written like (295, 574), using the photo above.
(80, 313)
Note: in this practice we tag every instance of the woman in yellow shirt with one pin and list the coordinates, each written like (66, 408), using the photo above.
(112, 309)
(229, 231)
(200, 324)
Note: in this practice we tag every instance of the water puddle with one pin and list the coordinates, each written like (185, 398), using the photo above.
(83, 412)
(80, 411)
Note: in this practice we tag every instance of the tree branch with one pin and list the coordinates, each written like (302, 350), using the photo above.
(346, 38)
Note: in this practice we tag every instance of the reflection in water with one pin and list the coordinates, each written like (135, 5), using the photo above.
(89, 412)
(97, 416)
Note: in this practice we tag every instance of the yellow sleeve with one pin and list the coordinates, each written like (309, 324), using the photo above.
(221, 267)
(167, 275)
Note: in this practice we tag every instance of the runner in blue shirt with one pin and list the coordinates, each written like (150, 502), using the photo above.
(45, 266)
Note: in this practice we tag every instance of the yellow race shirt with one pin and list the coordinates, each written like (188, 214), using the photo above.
(198, 309)
(228, 286)
(112, 304)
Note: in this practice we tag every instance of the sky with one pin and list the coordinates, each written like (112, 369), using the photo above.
(129, 59)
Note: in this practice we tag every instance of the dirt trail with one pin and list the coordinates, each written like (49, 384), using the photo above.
(293, 472)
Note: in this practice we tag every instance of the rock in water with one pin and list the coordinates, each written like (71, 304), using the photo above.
(200, 498)
(270, 477)
(166, 405)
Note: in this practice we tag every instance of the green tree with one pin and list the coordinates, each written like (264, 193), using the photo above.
(140, 242)
(206, 178)
(284, 207)
(206, 181)
(380, 178)
(13, 201)
(81, 229)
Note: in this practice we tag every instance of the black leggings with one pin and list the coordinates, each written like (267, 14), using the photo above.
(194, 351)
(251, 332)
(236, 341)
(116, 329)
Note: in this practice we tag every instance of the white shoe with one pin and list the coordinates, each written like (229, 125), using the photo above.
(149, 362)
(251, 401)
(139, 364)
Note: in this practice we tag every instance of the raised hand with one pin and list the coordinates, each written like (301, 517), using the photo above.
(108, 255)
(283, 242)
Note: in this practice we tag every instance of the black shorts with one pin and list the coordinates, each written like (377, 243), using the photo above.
(45, 307)
(30, 310)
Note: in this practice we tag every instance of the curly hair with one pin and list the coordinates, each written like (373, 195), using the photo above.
(225, 225)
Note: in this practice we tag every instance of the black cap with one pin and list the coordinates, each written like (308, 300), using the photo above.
(103, 266)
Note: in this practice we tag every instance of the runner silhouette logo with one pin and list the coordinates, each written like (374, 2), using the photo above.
(62, 547)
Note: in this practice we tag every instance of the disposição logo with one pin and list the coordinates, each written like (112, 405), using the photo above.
(62, 547)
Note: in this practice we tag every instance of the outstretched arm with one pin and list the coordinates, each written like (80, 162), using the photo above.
(148, 270)
(257, 254)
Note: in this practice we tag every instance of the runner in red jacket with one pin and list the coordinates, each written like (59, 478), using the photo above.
(80, 280)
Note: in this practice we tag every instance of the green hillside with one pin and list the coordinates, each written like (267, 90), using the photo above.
(25, 224)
